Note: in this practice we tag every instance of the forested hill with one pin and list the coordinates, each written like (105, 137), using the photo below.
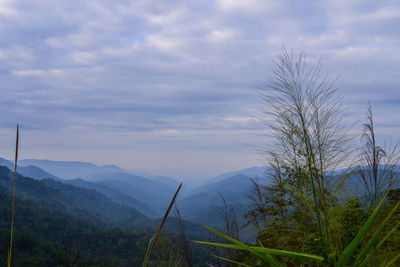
(57, 224)
(72, 200)
(47, 237)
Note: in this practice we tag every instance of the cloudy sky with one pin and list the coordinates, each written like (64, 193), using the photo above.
(170, 87)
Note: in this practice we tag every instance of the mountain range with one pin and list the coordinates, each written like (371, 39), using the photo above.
(149, 196)
(56, 198)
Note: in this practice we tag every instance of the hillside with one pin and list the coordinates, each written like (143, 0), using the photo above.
(114, 195)
(72, 200)
(155, 194)
(205, 203)
(55, 221)
(47, 236)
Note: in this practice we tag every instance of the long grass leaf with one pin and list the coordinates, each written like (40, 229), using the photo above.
(263, 256)
(383, 264)
(393, 260)
(380, 244)
(266, 250)
(349, 250)
(361, 256)
(153, 243)
(148, 247)
(236, 262)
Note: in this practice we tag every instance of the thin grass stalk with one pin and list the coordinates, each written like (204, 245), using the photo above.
(9, 254)
(185, 243)
(152, 244)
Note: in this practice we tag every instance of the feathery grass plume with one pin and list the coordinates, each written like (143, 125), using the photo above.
(153, 240)
(9, 253)
(377, 168)
(310, 136)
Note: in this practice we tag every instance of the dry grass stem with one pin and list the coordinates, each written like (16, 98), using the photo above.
(153, 241)
(9, 254)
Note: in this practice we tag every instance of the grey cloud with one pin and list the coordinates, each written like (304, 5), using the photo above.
(150, 67)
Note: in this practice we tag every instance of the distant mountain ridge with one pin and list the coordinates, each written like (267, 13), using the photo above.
(253, 172)
(71, 169)
(148, 195)
(28, 170)
(111, 194)
(73, 200)
(204, 204)
(151, 195)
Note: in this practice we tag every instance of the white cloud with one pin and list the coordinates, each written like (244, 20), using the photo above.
(221, 36)
(83, 57)
(241, 120)
(252, 6)
(37, 72)
(356, 52)
(165, 19)
(7, 9)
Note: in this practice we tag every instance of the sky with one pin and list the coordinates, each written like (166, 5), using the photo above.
(172, 87)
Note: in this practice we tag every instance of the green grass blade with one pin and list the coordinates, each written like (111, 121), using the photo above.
(349, 250)
(242, 245)
(148, 248)
(387, 236)
(383, 264)
(236, 262)
(8, 258)
(380, 244)
(364, 252)
(266, 250)
(393, 260)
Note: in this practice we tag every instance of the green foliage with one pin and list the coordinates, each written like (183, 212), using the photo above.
(350, 256)
(347, 220)
(348, 252)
